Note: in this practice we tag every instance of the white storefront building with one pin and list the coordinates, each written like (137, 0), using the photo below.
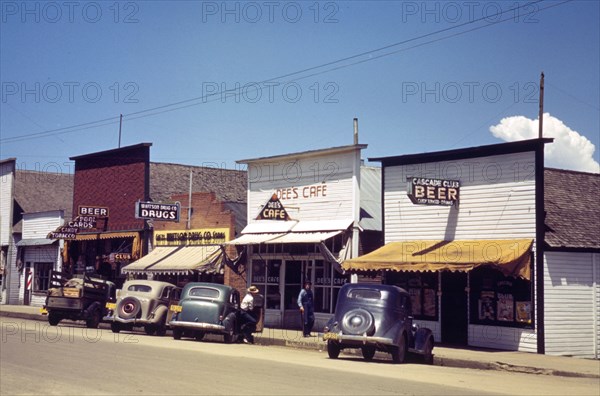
(482, 238)
(306, 214)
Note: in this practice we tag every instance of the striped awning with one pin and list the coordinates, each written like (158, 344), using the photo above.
(180, 260)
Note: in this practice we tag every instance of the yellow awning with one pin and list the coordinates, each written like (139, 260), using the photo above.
(511, 256)
(106, 235)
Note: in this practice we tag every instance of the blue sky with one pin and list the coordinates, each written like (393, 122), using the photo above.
(420, 77)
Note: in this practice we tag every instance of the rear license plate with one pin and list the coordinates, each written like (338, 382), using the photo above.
(111, 305)
(176, 308)
(330, 336)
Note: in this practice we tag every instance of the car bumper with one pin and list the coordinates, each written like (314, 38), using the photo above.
(356, 339)
(133, 321)
(197, 326)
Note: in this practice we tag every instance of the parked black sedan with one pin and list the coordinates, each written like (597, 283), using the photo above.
(376, 318)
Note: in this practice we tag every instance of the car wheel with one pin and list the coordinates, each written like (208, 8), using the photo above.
(53, 319)
(368, 352)
(333, 349)
(399, 352)
(115, 327)
(177, 333)
(199, 335)
(150, 329)
(428, 352)
(128, 308)
(358, 321)
(94, 321)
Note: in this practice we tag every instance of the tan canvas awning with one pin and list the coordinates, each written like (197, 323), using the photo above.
(154, 257)
(511, 256)
(106, 235)
(188, 259)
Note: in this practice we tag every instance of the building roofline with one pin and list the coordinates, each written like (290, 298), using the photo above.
(112, 151)
(11, 159)
(309, 153)
(464, 153)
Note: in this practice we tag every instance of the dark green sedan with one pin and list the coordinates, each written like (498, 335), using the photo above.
(206, 308)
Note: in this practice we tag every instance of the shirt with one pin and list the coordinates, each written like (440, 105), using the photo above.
(248, 302)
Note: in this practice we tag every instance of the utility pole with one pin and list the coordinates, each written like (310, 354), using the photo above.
(120, 124)
(541, 115)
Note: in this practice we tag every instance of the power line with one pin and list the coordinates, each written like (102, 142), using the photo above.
(259, 86)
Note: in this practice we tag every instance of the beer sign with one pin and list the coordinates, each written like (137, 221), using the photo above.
(273, 210)
(424, 191)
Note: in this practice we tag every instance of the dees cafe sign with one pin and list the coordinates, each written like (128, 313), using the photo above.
(273, 210)
(424, 191)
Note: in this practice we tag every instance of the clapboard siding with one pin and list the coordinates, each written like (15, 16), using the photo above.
(499, 204)
(570, 312)
(6, 200)
(596, 270)
(334, 171)
(506, 338)
(38, 225)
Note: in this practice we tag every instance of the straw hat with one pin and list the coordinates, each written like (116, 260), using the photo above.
(253, 289)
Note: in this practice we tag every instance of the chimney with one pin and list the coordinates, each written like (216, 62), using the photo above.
(355, 131)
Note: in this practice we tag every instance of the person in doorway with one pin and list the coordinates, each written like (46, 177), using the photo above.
(247, 319)
(307, 311)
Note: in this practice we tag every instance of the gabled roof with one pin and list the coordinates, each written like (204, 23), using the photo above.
(572, 209)
(171, 179)
(44, 191)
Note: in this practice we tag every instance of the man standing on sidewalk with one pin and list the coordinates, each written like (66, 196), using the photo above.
(307, 311)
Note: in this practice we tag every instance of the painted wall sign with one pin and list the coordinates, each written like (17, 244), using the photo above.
(157, 211)
(273, 210)
(424, 191)
(97, 211)
(305, 192)
(201, 236)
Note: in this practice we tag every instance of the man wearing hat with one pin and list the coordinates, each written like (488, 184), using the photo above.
(248, 321)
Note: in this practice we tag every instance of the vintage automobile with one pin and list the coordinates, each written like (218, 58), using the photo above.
(142, 303)
(206, 308)
(373, 318)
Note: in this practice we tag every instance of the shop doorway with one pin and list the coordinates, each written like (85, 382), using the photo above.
(454, 308)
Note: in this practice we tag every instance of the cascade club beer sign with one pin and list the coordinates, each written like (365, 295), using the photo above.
(157, 211)
(273, 210)
(424, 191)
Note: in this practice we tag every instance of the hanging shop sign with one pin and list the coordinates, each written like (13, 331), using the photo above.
(157, 211)
(63, 232)
(273, 210)
(97, 211)
(200, 236)
(424, 191)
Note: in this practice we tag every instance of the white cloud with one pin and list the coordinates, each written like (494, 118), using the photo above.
(570, 150)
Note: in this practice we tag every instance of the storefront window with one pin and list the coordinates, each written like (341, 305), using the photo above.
(265, 276)
(327, 283)
(42, 276)
(499, 300)
(422, 288)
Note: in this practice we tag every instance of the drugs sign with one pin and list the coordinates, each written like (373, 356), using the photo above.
(157, 211)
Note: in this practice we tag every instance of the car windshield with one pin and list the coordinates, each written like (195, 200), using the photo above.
(204, 292)
(364, 294)
(139, 288)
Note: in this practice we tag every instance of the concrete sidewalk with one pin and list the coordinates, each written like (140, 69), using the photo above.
(463, 357)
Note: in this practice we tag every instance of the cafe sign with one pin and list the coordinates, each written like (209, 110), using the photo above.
(425, 191)
(273, 210)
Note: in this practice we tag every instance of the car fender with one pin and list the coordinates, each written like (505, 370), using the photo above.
(159, 314)
(422, 335)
